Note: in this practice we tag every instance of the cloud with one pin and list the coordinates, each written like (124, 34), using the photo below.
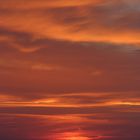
(75, 21)
(69, 69)
(55, 67)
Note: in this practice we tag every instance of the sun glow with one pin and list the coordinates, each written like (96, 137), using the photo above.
(77, 138)
(74, 136)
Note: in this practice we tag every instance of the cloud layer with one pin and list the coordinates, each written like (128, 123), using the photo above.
(69, 70)
(101, 20)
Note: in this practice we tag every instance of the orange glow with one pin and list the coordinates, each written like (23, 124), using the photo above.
(46, 101)
(73, 136)
(77, 138)
(61, 101)
(126, 103)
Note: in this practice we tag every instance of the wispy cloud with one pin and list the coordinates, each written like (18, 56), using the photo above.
(69, 70)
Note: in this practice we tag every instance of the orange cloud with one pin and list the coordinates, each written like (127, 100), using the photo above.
(69, 69)
(74, 21)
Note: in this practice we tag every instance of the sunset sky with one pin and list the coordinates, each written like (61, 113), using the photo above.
(69, 69)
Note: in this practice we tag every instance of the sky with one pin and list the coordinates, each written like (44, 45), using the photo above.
(69, 69)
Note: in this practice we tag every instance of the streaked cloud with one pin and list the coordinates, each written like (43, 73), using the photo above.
(69, 69)
(102, 20)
